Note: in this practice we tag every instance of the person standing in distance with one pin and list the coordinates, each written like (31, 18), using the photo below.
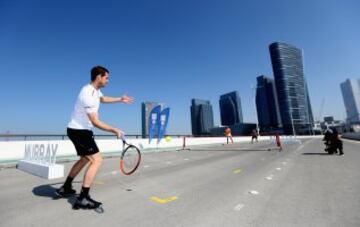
(228, 135)
(83, 119)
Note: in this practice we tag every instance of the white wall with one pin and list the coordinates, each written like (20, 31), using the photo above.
(11, 151)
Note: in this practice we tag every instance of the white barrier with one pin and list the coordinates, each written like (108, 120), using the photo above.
(39, 159)
(48, 171)
(13, 151)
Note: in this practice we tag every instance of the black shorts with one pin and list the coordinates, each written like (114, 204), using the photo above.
(83, 141)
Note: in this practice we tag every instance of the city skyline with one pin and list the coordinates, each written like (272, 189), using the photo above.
(165, 51)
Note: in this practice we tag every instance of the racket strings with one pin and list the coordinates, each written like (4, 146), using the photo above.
(130, 160)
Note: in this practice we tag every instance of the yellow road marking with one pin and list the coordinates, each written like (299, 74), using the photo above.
(237, 171)
(98, 182)
(163, 201)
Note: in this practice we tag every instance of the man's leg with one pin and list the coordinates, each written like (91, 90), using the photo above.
(84, 200)
(78, 166)
(340, 146)
(90, 173)
(66, 189)
(95, 163)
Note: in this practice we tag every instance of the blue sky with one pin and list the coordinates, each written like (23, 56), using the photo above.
(167, 51)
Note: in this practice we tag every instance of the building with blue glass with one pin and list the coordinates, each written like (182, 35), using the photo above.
(202, 118)
(230, 109)
(351, 95)
(267, 105)
(292, 92)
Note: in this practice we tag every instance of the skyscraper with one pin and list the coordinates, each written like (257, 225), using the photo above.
(351, 94)
(202, 118)
(146, 108)
(230, 109)
(291, 88)
(267, 104)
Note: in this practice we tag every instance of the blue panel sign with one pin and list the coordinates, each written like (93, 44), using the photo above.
(163, 119)
(153, 121)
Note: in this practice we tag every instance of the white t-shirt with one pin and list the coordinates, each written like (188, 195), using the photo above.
(88, 101)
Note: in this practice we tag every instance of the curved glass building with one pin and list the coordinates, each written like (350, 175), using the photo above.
(202, 118)
(267, 105)
(292, 91)
(230, 109)
(351, 94)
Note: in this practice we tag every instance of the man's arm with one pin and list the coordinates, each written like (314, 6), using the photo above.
(93, 117)
(123, 99)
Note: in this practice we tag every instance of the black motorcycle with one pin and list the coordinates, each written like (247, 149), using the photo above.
(333, 143)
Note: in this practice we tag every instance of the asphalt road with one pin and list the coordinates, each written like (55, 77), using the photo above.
(230, 185)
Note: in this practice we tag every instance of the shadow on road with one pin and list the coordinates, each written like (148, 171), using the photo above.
(48, 190)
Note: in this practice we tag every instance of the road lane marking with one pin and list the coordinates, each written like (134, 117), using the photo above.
(186, 159)
(237, 171)
(163, 201)
(239, 207)
(110, 173)
(278, 168)
(253, 192)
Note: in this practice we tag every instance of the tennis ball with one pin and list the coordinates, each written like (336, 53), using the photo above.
(168, 139)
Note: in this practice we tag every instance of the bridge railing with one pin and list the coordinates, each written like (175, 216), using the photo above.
(26, 137)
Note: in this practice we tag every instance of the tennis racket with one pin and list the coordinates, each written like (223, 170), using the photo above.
(130, 158)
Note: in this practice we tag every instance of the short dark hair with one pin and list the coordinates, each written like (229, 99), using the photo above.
(98, 70)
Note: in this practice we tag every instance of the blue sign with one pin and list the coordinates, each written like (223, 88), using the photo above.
(153, 121)
(163, 120)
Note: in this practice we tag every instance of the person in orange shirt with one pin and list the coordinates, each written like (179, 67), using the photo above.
(228, 135)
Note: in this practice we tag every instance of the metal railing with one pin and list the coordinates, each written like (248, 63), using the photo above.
(22, 137)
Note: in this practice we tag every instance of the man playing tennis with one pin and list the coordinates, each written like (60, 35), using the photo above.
(83, 119)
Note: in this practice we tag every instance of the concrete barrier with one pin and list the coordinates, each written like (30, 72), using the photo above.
(352, 135)
(13, 151)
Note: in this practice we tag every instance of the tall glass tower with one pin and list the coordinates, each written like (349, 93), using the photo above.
(291, 87)
(230, 109)
(267, 104)
(351, 94)
(202, 118)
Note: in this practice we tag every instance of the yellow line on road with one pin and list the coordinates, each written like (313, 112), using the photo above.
(163, 201)
(237, 171)
(98, 182)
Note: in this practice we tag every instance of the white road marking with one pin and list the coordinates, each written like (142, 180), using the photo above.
(253, 192)
(278, 168)
(239, 207)
(146, 166)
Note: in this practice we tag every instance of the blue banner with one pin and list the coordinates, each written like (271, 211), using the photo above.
(153, 121)
(163, 120)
